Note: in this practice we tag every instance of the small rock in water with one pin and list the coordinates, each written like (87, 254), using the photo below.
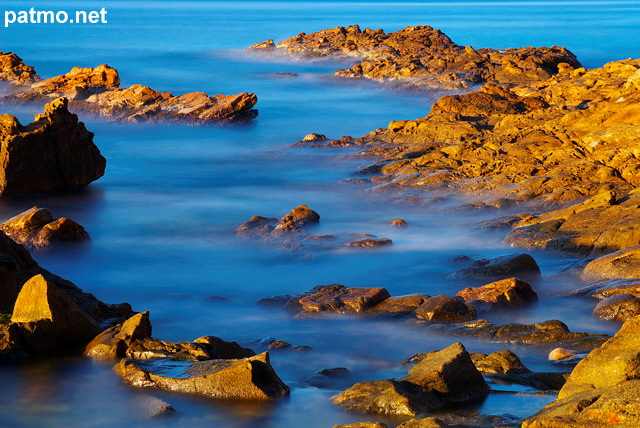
(152, 407)
(313, 137)
(559, 354)
(370, 243)
(398, 223)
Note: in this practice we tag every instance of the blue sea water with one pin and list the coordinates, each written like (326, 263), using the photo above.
(162, 218)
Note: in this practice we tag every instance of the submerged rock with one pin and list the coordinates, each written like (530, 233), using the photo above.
(37, 229)
(497, 268)
(443, 377)
(250, 378)
(55, 144)
(337, 298)
(370, 243)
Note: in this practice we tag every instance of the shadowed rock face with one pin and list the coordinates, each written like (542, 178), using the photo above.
(422, 57)
(250, 378)
(442, 377)
(55, 152)
(96, 91)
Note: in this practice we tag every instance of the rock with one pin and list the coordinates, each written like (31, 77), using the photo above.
(12, 347)
(115, 341)
(221, 349)
(296, 220)
(499, 362)
(505, 293)
(272, 344)
(50, 319)
(55, 144)
(362, 425)
(620, 264)
(548, 334)
(429, 422)
(445, 309)
(152, 407)
(337, 298)
(559, 354)
(542, 381)
(250, 378)
(313, 137)
(399, 305)
(329, 378)
(398, 223)
(602, 389)
(497, 268)
(368, 243)
(15, 71)
(256, 227)
(37, 229)
(619, 307)
(79, 83)
(421, 57)
(444, 377)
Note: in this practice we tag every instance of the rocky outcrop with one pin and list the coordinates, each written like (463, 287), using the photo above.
(250, 378)
(422, 57)
(13, 70)
(96, 91)
(547, 334)
(36, 229)
(497, 268)
(444, 309)
(619, 307)
(55, 152)
(499, 362)
(506, 293)
(336, 298)
(116, 341)
(603, 388)
(620, 264)
(445, 377)
(370, 243)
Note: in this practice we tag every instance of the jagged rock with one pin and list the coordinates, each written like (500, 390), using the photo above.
(421, 57)
(505, 293)
(620, 264)
(15, 71)
(551, 334)
(443, 377)
(115, 341)
(497, 268)
(337, 298)
(37, 229)
(50, 319)
(499, 362)
(619, 307)
(296, 220)
(602, 389)
(445, 309)
(97, 91)
(55, 145)
(370, 243)
(250, 378)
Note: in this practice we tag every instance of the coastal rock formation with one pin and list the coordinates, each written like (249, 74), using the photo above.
(250, 378)
(55, 152)
(13, 70)
(603, 388)
(510, 292)
(96, 91)
(422, 57)
(499, 362)
(291, 225)
(49, 315)
(36, 229)
(501, 267)
(445, 309)
(337, 298)
(620, 264)
(115, 341)
(442, 377)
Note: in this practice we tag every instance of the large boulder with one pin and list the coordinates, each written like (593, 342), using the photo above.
(115, 341)
(250, 378)
(445, 377)
(510, 292)
(619, 307)
(512, 265)
(445, 309)
(620, 264)
(52, 318)
(603, 389)
(37, 229)
(54, 152)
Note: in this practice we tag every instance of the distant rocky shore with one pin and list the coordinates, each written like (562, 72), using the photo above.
(96, 91)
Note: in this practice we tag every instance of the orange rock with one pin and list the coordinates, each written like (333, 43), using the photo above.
(509, 292)
(559, 354)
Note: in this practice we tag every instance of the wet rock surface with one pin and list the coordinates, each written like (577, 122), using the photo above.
(512, 265)
(506, 293)
(96, 91)
(250, 378)
(55, 144)
(37, 229)
(421, 57)
(442, 377)
(602, 389)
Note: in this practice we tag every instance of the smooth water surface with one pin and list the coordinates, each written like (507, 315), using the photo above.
(162, 219)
